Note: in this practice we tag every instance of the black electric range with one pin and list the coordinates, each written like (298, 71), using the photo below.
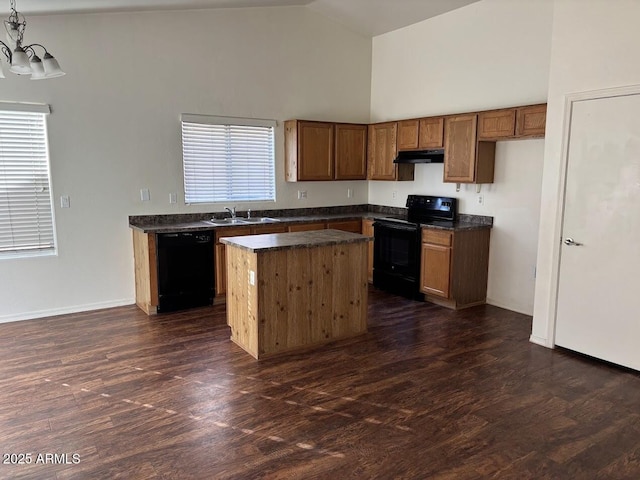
(396, 257)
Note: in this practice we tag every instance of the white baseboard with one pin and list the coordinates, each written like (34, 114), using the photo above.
(496, 303)
(65, 310)
(539, 341)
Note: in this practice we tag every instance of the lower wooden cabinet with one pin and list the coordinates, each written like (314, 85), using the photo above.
(144, 248)
(221, 255)
(454, 266)
(435, 272)
(306, 227)
(367, 229)
(146, 271)
(354, 226)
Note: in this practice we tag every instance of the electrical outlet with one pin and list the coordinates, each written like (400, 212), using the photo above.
(173, 198)
(302, 194)
(349, 192)
(65, 201)
(394, 194)
(480, 200)
(145, 196)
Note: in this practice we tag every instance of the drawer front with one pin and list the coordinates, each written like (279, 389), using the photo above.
(354, 226)
(436, 237)
(232, 232)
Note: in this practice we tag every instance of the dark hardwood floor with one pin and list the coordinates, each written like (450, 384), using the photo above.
(427, 393)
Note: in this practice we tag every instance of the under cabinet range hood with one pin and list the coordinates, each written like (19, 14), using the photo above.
(420, 156)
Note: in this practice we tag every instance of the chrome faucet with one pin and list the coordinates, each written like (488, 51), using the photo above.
(231, 210)
(248, 213)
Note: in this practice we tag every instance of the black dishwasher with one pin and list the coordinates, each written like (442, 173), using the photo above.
(185, 270)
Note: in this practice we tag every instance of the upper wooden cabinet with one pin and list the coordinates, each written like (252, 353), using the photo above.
(431, 133)
(467, 160)
(316, 151)
(512, 123)
(408, 134)
(309, 148)
(350, 152)
(531, 120)
(382, 151)
(497, 124)
(420, 133)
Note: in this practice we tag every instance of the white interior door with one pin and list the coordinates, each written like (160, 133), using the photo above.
(598, 310)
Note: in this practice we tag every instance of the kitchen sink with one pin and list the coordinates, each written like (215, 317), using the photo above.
(225, 221)
(260, 220)
(240, 221)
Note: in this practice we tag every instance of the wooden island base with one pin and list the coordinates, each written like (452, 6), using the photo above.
(296, 291)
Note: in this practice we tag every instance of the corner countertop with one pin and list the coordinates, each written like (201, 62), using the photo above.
(155, 224)
(286, 241)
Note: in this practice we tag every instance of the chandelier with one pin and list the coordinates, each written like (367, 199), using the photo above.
(23, 59)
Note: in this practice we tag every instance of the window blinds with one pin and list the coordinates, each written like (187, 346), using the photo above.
(227, 159)
(26, 220)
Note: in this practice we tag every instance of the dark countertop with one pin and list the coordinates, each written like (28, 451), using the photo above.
(201, 225)
(465, 222)
(286, 241)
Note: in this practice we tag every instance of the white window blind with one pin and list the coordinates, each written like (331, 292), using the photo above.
(26, 219)
(227, 159)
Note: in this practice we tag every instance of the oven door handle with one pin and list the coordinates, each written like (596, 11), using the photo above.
(396, 226)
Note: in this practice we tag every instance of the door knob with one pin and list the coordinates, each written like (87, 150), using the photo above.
(569, 241)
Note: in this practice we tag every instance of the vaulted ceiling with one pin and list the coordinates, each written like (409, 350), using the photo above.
(368, 17)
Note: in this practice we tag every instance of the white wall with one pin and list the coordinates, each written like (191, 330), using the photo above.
(115, 126)
(491, 54)
(592, 48)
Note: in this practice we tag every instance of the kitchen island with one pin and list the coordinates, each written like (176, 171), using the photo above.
(291, 291)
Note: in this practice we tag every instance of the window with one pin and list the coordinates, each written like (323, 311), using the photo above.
(227, 159)
(26, 218)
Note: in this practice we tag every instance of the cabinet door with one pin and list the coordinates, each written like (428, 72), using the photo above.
(460, 148)
(221, 269)
(431, 133)
(367, 229)
(264, 229)
(221, 255)
(382, 151)
(308, 151)
(532, 120)
(408, 134)
(435, 274)
(497, 123)
(350, 152)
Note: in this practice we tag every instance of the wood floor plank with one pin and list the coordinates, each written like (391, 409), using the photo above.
(427, 392)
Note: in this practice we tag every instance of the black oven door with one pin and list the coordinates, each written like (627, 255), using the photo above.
(396, 258)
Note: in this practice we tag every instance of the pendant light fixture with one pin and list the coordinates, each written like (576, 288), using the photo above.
(23, 59)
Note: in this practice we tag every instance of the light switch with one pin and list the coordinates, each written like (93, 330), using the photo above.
(65, 201)
(145, 196)
(252, 277)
